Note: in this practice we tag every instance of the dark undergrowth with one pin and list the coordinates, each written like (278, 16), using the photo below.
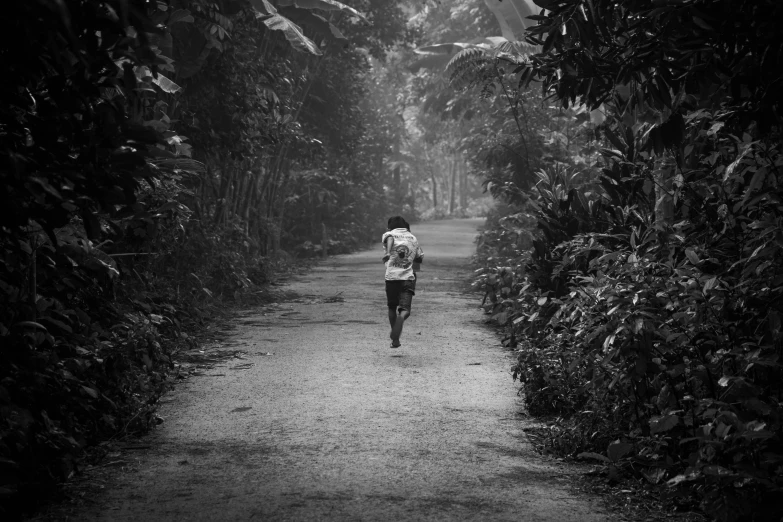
(121, 237)
(653, 347)
(89, 374)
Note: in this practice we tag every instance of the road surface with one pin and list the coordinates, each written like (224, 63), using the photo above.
(321, 420)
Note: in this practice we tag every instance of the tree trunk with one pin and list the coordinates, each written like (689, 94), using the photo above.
(241, 190)
(227, 206)
(463, 186)
(225, 184)
(278, 231)
(324, 241)
(380, 166)
(444, 170)
(431, 168)
(248, 203)
(257, 203)
(282, 192)
(274, 184)
(434, 188)
(453, 187)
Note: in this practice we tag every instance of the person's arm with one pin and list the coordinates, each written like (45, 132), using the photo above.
(419, 258)
(388, 243)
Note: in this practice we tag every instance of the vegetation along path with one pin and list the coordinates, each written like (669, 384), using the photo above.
(335, 425)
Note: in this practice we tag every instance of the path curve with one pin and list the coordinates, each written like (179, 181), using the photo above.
(334, 425)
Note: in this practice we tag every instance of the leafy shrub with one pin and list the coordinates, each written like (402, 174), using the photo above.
(114, 239)
(647, 312)
(663, 336)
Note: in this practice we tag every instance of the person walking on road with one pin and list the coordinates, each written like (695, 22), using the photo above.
(402, 250)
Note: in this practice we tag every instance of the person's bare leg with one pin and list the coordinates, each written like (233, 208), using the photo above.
(397, 327)
(392, 319)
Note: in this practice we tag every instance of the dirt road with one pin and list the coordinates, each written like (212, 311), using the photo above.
(323, 421)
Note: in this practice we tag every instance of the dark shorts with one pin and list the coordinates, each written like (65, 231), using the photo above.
(399, 294)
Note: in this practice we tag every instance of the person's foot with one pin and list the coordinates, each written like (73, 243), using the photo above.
(396, 331)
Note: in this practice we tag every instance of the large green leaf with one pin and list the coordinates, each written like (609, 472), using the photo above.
(442, 48)
(430, 61)
(326, 5)
(180, 15)
(166, 84)
(293, 33)
(277, 22)
(450, 48)
(512, 16)
(264, 7)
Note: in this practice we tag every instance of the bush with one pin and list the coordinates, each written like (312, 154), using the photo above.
(650, 302)
(662, 337)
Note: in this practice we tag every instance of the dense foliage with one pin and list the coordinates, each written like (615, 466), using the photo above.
(646, 307)
(158, 159)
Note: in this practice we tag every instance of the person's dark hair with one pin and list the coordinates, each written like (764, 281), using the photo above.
(397, 222)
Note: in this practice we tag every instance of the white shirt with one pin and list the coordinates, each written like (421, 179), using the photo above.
(405, 249)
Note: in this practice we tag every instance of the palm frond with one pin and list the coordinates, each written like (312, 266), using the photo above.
(475, 66)
(520, 51)
(179, 164)
(467, 66)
